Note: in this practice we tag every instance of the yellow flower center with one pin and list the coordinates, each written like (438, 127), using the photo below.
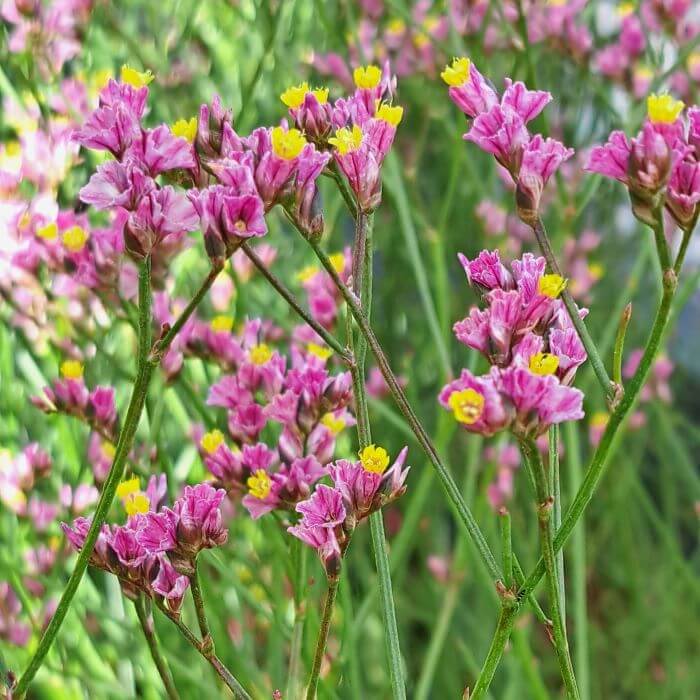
(596, 270)
(128, 488)
(75, 238)
(599, 419)
(367, 77)
(132, 77)
(338, 262)
(335, 425)
(551, 285)
(48, 232)
(396, 26)
(347, 140)
(694, 60)
(643, 72)
(467, 405)
(307, 273)
(287, 144)
(222, 324)
(260, 354)
(421, 40)
(108, 449)
(319, 351)
(543, 363)
(390, 115)
(210, 441)
(137, 503)
(663, 109)
(185, 129)
(457, 73)
(259, 484)
(374, 459)
(293, 97)
(71, 369)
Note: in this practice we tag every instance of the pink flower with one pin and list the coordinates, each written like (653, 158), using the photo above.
(527, 104)
(159, 150)
(486, 271)
(157, 532)
(200, 522)
(324, 541)
(110, 129)
(116, 185)
(683, 193)
(501, 132)
(611, 159)
(323, 509)
(475, 95)
(169, 584)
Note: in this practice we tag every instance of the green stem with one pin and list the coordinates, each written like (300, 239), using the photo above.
(687, 233)
(126, 439)
(545, 508)
(506, 619)
(661, 243)
(555, 490)
(506, 547)
(198, 599)
(462, 510)
(149, 632)
(593, 355)
(322, 638)
(610, 436)
(620, 343)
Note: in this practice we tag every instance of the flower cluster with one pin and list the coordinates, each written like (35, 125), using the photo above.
(330, 514)
(499, 127)
(304, 405)
(364, 126)
(155, 551)
(526, 334)
(661, 165)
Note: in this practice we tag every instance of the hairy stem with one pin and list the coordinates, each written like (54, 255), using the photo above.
(198, 599)
(149, 632)
(322, 638)
(545, 507)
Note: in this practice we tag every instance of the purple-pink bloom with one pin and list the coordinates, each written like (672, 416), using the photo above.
(324, 541)
(486, 271)
(501, 132)
(157, 532)
(116, 185)
(527, 104)
(159, 150)
(200, 524)
(612, 158)
(323, 509)
(170, 584)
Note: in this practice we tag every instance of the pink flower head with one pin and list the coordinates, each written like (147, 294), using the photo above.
(360, 164)
(116, 185)
(683, 193)
(541, 159)
(102, 409)
(476, 403)
(127, 548)
(169, 584)
(611, 159)
(110, 129)
(213, 122)
(501, 132)
(324, 508)
(313, 117)
(527, 104)
(159, 150)
(486, 271)
(539, 401)
(227, 219)
(307, 209)
(324, 541)
(475, 95)
(161, 213)
(200, 524)
(157, 532)
(567, 346)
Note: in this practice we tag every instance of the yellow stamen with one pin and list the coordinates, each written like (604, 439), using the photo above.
(319, 351)
(396, 26)
(108, 449)
(210, 441)
(293, 97)
(390, 115)
(599, 419)
(693, 60)
(625, 9)
(374, 459)
(544, 363)
(335, 425)
(132, 77)
(128, 488)
(551, 285)
(367, 77)
(75, 238)
(467, 405)
(458, 73)
(596, 270)
(421, 40)
(260, 354)
(99, 79)
(49, 232)
(185, 128)
(663, 109)
(259, 484)
(222, 324)
(643, 72)
(137, 503)
(71, 369)
(346, 140)
(287, 144)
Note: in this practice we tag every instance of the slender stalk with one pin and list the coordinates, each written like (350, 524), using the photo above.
(661, 243)
(687, 233)
(198, 599)
(126, 439)
(294, 671)
(545, 516)
(322, 638)
(282, 290)
(149, 632)
(593, 355)
(463, 512)
(161, 345)
(620, 343)
(555, 490)
(207, 653)
(506, 619)
(609, 440)
(506, 547)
